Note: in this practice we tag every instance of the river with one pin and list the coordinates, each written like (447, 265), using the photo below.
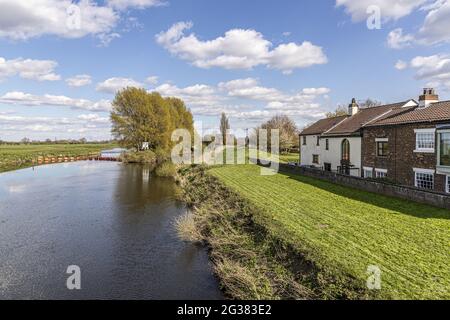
(113, 221)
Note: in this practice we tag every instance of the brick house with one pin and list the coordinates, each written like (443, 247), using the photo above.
(335, 144)
(410, 146)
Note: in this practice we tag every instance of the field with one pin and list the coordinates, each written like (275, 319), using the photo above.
(345, 230)
(284, 158)
(14, 157)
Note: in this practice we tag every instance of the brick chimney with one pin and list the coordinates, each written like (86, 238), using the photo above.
(429, 96)
(353, 108)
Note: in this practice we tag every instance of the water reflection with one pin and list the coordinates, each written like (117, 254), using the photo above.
(115, 222)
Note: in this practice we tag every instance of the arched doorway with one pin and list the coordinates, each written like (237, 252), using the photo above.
(345, 151)
(345, 157)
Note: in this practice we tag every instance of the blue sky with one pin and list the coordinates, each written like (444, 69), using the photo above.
(61, 64)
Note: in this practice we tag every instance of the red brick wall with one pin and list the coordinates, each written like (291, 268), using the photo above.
(401, 157)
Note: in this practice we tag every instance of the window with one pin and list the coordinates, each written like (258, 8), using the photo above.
(380, 173)
(425, 140)
(382, 148)
(327, 144)
(447, 185)
(304, 141)
(327, 167)
(424, 179)
(368, 173)
(444, 149)
(318, 141)
(315, 159)
(345, 150)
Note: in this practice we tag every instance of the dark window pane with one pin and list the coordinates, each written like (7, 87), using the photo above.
(445, 149)
(382, 149)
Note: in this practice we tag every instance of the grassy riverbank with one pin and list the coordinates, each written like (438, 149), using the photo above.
(344, 230)
(316, 238)
(13, 157)
(250, 260)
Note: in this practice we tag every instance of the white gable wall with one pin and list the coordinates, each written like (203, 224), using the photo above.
(310, 149)
(334, 156)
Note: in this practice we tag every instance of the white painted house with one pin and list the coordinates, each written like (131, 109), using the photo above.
(335, 144)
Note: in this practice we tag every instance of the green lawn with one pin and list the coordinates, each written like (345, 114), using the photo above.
(346, 230)
(20, 156)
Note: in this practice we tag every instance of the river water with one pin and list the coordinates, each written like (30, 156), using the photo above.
(113, 221)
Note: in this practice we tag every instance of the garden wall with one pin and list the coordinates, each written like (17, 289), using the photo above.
(408, 193)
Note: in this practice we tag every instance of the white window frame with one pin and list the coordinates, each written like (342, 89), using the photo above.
(424, 171)
(383, 171)
(368, 169)
(425, 131)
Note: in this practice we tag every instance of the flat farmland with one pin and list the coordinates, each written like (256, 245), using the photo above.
(14, 157)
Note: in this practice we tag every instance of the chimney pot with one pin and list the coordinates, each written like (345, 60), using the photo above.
(429, 96)
(353, 108)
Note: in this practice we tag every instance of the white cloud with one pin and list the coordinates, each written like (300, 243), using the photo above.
(94, 118)
(113, 85)
(401, 65)
(238, 49)
(390, 10)
(138, 4)
(199, 95)
(92, 126)
(41, 70)
(79, 80)
(249, 89)
(397, 40)
(24, 19)
(287, 57)
(26, 99)
(106, 38)
(316, 91)
(247, 100)
(153, 80)
(436, 25)
(434, 69)
(434, 29)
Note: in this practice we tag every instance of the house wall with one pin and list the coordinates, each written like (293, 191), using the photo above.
(308, 150)
(401, 158)
(334, 156)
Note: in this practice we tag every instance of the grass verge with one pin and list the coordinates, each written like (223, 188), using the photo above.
(345, 231)
(250, 260)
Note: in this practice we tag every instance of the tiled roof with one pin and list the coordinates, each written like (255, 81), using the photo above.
(322, 125)
(353, 124)
(435, 112)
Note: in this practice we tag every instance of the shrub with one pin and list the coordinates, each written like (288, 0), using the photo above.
(167, 169)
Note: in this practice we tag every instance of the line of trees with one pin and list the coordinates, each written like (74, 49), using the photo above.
(288, 131)
(140, 117)
(342, 110)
